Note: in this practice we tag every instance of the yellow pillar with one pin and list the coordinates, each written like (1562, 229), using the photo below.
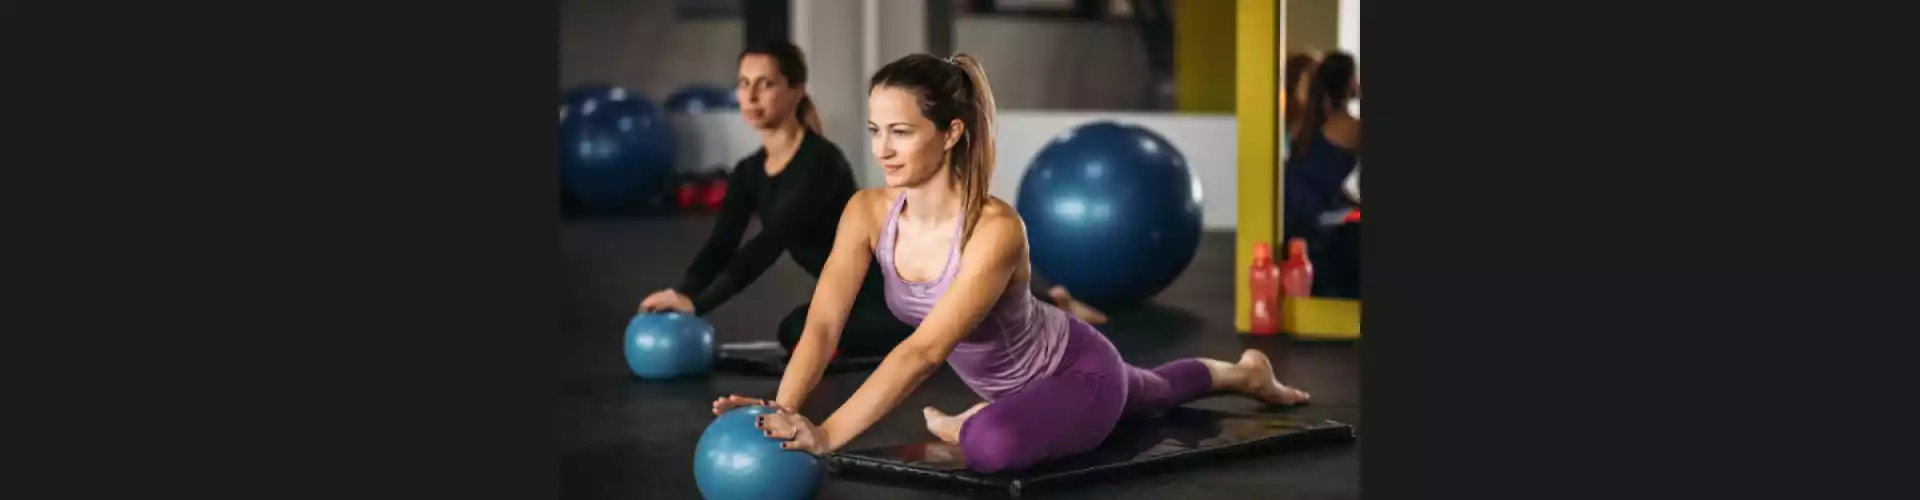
(1203, 61)
(1257, 117)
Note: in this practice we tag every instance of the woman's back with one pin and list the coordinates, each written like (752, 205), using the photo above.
(1315, 168)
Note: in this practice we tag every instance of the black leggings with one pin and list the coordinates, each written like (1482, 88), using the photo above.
(871, 328)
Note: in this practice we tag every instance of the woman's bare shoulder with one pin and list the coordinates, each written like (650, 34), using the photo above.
(870, 204)
(998, 216)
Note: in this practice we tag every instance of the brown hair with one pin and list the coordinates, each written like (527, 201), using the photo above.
(950, 89)
(793, 65)
(1328, 90)
(1298, 66)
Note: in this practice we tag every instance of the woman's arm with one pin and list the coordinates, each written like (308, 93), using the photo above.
(833, 296)
(986, 268)
(724, 241)
(807, 196)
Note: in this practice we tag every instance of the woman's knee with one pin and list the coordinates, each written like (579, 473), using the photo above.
(991, 442)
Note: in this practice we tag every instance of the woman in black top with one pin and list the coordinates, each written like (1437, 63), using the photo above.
(797, 183)
(1325, 153)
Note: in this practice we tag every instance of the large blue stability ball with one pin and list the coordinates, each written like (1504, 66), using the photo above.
(616, 148)
(702, 98)
(668, 345)
(1113, 212)
(736, 461)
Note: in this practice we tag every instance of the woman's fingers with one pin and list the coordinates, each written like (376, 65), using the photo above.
(798, 443)
(732, 401)
(766, 425)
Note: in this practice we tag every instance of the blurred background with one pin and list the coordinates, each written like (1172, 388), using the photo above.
(1167, 65)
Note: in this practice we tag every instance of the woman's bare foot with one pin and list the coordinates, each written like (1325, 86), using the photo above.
(947, 427)
(1078, 309)
(1256, 380)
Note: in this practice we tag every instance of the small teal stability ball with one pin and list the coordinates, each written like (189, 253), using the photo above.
(668, 345)
(736, 461)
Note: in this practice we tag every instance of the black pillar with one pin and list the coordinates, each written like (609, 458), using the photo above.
(767, 20)
(1155, 18)
(940, 19)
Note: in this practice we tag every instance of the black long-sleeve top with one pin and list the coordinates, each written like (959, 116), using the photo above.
(1313, 179)
(799, 213)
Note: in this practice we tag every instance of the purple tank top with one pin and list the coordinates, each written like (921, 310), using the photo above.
(1020, 340)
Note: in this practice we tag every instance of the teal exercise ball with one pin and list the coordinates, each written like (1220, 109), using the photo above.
(1113, 211)
(668, 345)
(737, 461)
(616, 147)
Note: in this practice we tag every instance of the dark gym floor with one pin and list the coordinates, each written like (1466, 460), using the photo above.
(625, 438)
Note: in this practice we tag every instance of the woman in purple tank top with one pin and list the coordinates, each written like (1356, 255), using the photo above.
(955, 263)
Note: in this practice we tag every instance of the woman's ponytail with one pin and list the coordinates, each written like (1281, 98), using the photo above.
(973, 161)
(809, 115)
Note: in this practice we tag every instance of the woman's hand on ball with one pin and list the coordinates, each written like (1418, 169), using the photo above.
(798, 432)
(735, 401)
(667, 300)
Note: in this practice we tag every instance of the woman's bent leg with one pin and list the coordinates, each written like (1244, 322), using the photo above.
(1067, 413)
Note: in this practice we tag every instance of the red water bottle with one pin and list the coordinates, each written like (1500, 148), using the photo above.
(1296, 275)
(687, 196)
(715, 194)
(1264, 280)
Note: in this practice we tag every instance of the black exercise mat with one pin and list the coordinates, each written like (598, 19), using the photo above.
(769, 359)
(1183, 437)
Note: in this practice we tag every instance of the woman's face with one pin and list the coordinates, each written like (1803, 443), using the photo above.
(910, 150)
(765, 98)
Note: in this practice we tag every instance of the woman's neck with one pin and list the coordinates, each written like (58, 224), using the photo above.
(783, 140)
(934, 202)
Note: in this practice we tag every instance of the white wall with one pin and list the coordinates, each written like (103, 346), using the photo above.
(1350, 27)
(1350, 39)
(890, 30)
(829, 31)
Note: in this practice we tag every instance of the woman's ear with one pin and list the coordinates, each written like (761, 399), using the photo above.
(955, 130)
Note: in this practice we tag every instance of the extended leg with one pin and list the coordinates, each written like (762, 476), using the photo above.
(1150, 392)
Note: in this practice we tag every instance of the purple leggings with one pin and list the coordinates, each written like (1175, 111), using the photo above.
(1073, 410)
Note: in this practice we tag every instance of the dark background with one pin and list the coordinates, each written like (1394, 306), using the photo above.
(278, 250)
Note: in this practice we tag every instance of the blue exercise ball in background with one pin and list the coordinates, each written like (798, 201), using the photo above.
(616, 148)
(668, 345)
(1113, 212)
(736, 461)
(702, 98)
